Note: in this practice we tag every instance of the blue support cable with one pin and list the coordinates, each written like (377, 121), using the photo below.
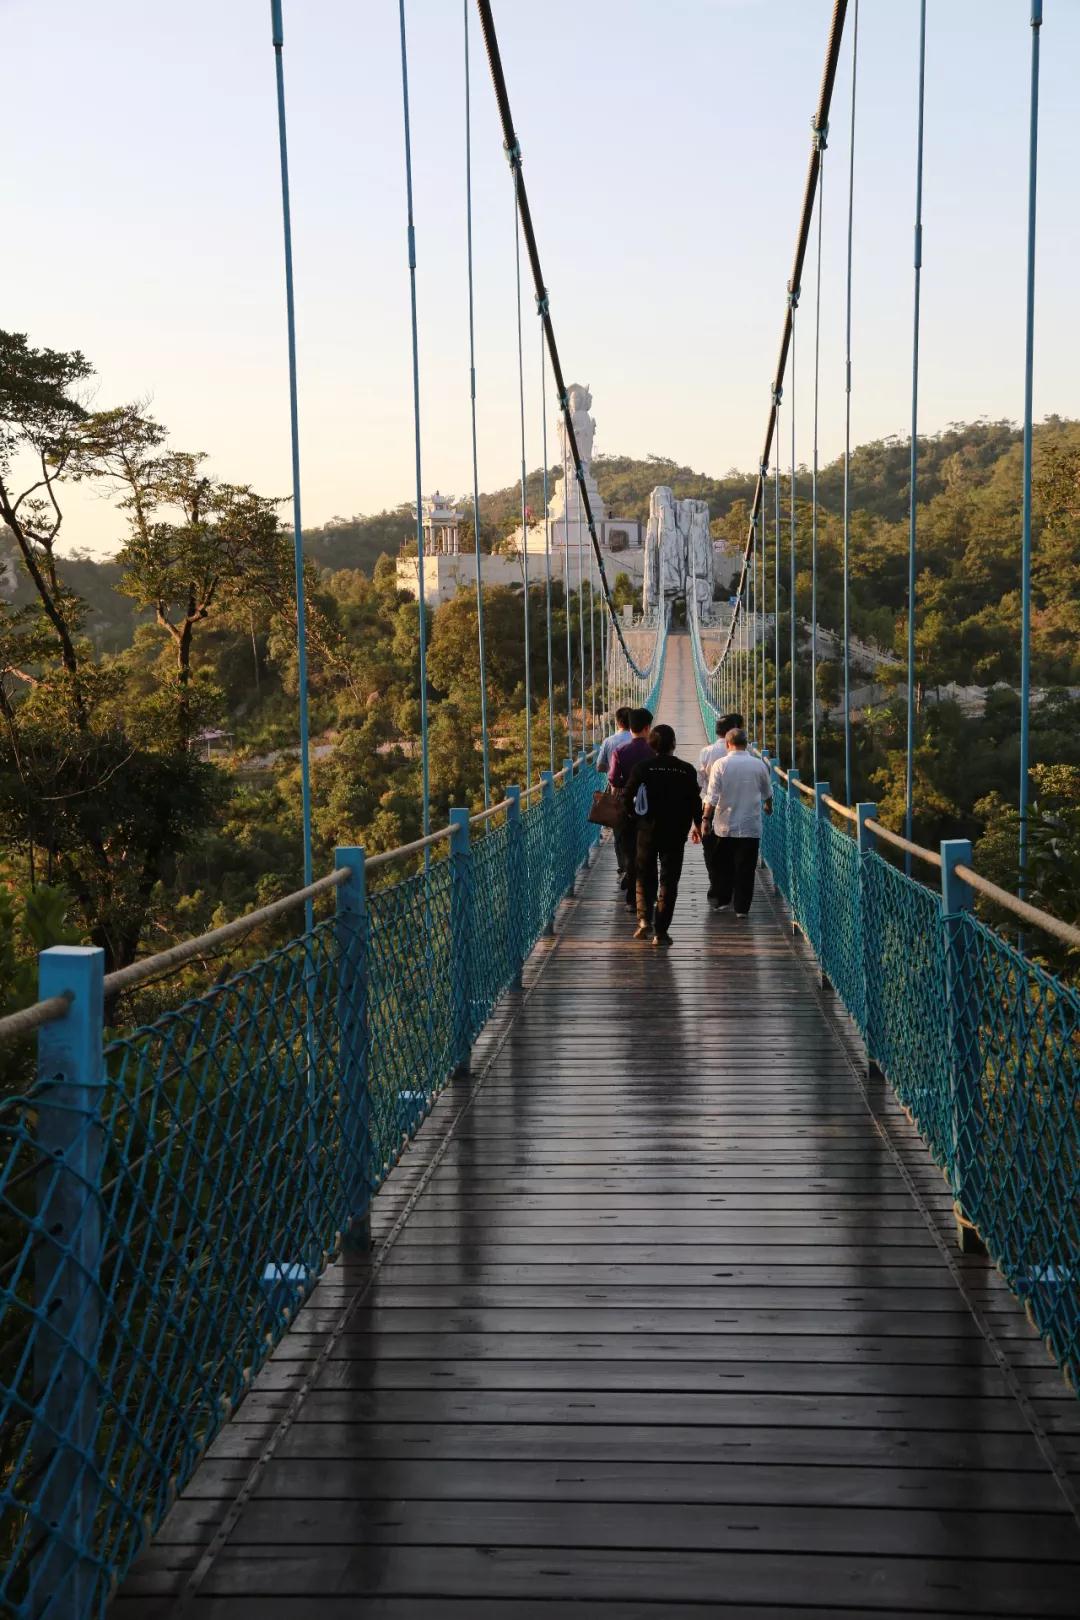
(581, 626)
(524, 511)
(776, 576)
(547, 545)
(791, 576)
(425, 780)
(848, 790)
(566, 600)
(1029, 363)
(484, 741)
(909, 768)
(278, 31)
(820, 136)
(763, 608)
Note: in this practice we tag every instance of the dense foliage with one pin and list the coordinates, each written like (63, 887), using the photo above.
(120, 829)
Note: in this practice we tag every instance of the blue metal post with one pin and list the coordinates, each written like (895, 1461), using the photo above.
(516, 879)
(569, 865)
(461, 915)
(354, 1051)
(1029, 360)
(71, 1071)
(963, 1053)
(822, 868)
(547, 808)
(278, 31)
(865, 811)
(794, 886)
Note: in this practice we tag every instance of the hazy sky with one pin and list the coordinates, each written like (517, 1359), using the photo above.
(665, 149)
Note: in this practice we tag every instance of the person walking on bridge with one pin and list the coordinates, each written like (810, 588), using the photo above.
(706, 760)
(620, 735)
(663, 805)
(623, 761)
(605, 755)
(739, 788)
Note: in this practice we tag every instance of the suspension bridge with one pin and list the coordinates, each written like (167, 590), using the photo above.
(463, 1258)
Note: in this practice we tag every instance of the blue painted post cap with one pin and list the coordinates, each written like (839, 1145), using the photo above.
(956, 894)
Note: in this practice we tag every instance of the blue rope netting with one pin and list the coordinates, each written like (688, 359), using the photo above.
(980, 1044)
(156, 1241)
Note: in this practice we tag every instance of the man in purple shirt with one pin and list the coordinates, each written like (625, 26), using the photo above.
(622, 765)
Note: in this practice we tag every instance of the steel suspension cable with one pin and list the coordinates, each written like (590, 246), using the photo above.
(484, 741)
(1029, 365)
(909, 765)
(847, 414)
(820, 121)
(524, 508)
(821, 136)
(513, 150)
(278, 34)
(425, 780)
(547, 551)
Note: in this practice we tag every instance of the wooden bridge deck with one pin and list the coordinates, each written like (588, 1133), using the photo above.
(664, 1318)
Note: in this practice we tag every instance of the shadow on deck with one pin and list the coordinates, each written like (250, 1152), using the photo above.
(664, 1317)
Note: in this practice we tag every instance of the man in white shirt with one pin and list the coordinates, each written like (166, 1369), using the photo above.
(717, 750)
(706, 760)
(739, 788)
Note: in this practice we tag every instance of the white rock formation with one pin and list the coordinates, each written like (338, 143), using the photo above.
(679, 557)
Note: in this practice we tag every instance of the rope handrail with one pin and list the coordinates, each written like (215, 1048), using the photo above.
(150, 967)
(28, 1019)
(1066, 932)
(844, 810)
(414, 848)
(899, 842)
(491, 811)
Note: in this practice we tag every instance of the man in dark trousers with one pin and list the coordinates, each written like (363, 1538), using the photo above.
(738, 791)
(623, 761)
(706, 760)
(663, 805)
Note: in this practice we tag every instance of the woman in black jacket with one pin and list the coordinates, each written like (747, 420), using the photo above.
(663, 805)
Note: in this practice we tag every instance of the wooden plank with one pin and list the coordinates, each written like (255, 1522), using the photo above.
(988, 1587)
(666, 1525)
(666, 1332)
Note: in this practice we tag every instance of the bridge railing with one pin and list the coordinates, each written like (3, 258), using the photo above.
(169, 1197)
(980, 1044)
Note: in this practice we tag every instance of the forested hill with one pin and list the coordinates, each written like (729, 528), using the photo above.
(966, 453)
(969, 500)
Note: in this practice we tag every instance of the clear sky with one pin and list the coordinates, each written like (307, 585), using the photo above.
(665, 151)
